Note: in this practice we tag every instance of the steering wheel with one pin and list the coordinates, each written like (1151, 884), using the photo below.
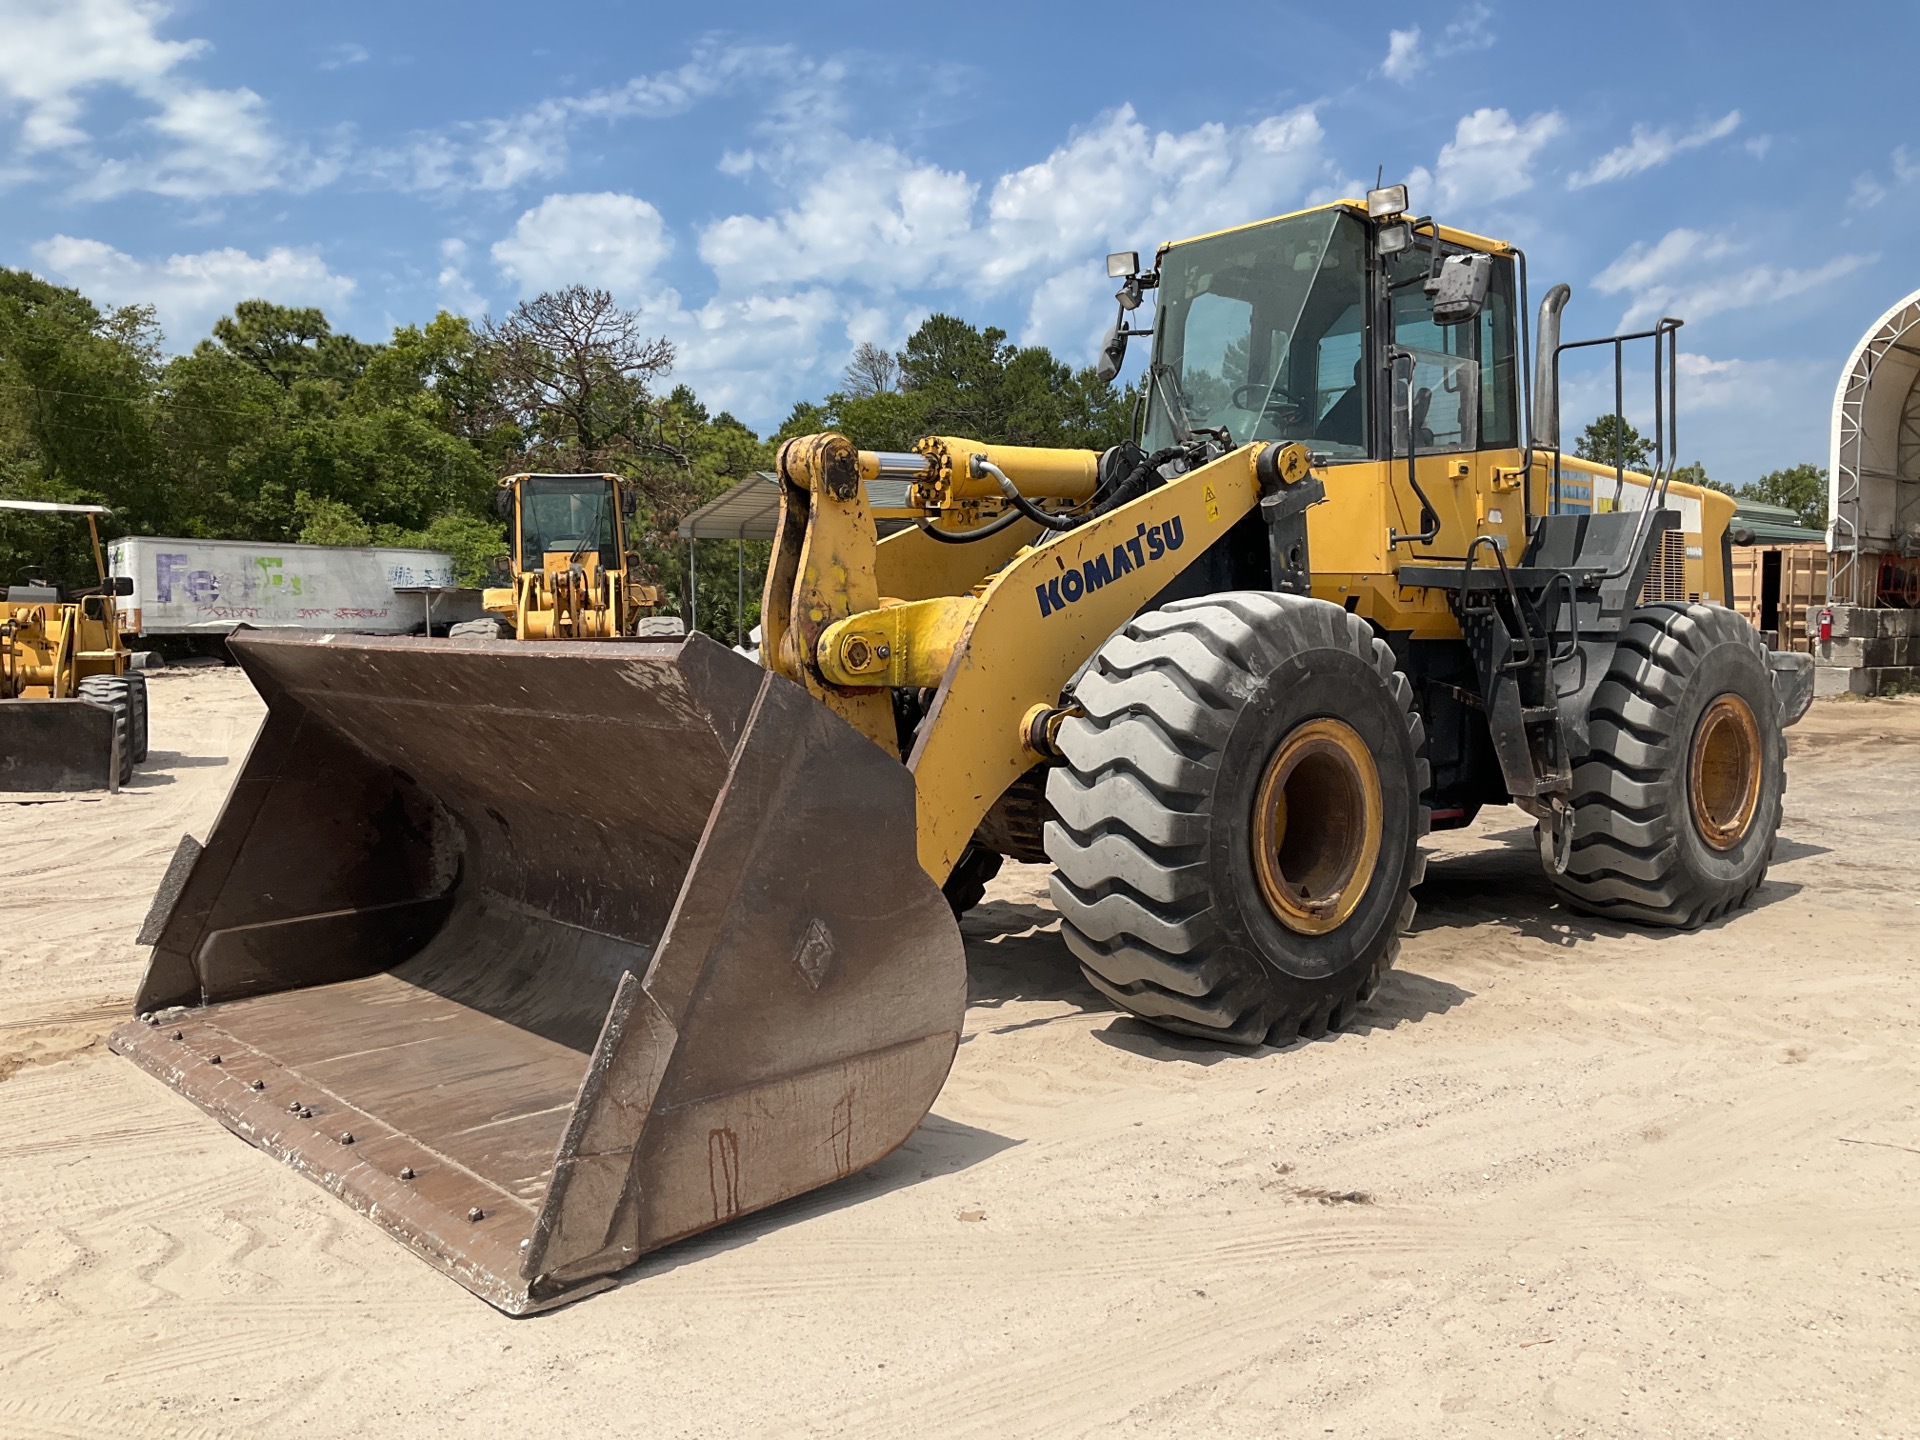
(1276, 406)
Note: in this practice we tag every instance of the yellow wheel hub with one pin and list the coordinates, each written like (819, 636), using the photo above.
(1317, 823)
(1723, 773)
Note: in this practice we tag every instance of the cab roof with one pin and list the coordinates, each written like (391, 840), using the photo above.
(1465, 238)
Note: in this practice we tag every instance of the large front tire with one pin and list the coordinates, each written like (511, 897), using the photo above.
(1676, 806)
(113, 692)
(1239, 818)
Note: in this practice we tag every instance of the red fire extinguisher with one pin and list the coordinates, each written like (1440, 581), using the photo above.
(1826, 624)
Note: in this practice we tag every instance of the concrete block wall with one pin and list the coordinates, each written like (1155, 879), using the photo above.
(1871, 652)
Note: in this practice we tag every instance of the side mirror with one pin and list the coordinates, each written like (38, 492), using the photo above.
(629, 501)
(120, 584)
(1459, 288)
(1113, 353)
(503, 503)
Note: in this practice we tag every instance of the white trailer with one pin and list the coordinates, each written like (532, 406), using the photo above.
(209, 587)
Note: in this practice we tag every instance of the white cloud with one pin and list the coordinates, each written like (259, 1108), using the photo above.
(867, 215)
(198, 141)
(1680, 275)
(1404, 60)
(191, 291)
(1869, 190)
(1643, 266)
(1650, 148)
(57, 50)
(1467, 32)
(1489, 158)
(1407, 56)
(606, 240)
(535, 143)
(456, 289)
(339, 57)
(873, 214)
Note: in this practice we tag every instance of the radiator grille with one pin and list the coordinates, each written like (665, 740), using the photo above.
(1667, 574)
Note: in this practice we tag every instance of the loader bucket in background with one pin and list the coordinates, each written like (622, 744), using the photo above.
(542, 955)
(56, 745)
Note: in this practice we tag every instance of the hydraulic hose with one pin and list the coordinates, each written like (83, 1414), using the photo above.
(967, 537)
(985, 467)
(1135, 485)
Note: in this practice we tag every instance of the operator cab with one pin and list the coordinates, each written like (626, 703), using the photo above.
(571, 516)
(1297, 329)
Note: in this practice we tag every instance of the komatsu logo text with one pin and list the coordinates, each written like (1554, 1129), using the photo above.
(1147, 544)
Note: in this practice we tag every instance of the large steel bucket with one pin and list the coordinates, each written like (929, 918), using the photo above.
(543, 955)
(57, 745)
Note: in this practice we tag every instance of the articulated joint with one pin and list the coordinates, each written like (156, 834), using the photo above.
(1276, 466)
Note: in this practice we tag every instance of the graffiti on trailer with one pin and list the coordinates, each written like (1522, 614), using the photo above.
(200, 586)
(265, 578)
(424, 577)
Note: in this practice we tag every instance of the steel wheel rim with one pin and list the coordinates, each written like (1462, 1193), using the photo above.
(1318, 819)
(1723, 773)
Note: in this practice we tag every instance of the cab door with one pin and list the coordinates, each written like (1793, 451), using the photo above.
(1456, 398)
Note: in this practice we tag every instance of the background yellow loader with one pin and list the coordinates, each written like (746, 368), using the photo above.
(73, 715)
(574, 577)
(544, 955)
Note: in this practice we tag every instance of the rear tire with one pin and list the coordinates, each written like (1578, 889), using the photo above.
(966, 887)
(113, 691)
(1202, 723)
(1677, 804)
(137, 694)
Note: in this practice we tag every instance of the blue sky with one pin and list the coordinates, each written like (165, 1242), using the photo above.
(772, 185)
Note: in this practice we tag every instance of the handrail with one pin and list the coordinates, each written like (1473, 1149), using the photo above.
(1506, 578)
(1666, 422)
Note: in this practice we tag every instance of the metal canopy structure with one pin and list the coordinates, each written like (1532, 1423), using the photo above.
(54, 507)
(750, 510)
(1873, 477)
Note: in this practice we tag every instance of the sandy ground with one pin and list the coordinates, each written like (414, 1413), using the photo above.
(1565, 1178)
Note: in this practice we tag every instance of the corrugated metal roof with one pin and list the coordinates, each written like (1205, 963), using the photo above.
(1774, 524)
(751, 509)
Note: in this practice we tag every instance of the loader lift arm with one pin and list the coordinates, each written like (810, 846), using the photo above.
(999, 655)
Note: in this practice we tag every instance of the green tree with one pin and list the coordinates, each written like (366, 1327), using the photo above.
(1612, 439)
(1800, 488)
(1695, 473)
(954, 378)
(76, 422)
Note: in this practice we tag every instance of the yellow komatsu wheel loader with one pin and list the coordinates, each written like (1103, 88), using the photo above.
(73, 713)
(573, 576)
(544, 955)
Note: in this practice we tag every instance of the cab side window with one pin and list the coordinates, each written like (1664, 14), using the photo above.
(1499, 380)
(1446, 371)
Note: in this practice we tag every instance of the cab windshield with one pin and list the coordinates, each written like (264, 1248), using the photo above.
(1259, 333)
(571, 514)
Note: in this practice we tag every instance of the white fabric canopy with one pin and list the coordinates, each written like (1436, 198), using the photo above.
(1873, 474)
